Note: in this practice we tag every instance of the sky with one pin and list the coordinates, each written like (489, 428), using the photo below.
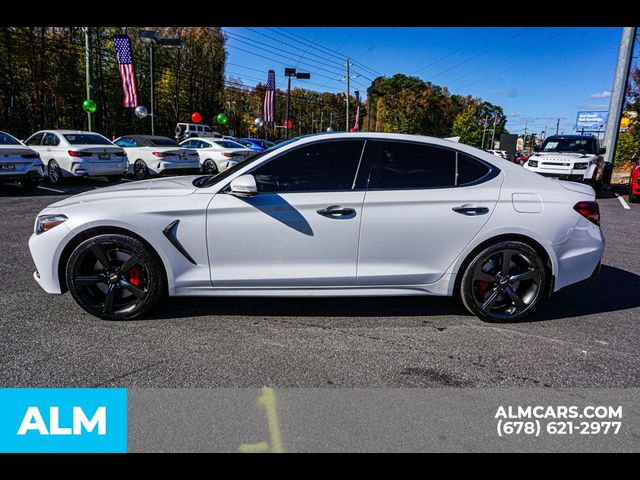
(535, 74)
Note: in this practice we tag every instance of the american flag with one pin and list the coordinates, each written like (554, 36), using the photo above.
(269, 109)
(125, 67)
(356, 125)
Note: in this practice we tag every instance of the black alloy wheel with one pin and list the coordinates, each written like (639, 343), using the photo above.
(115, 277)
(209, 167)
(505, 282)
(140, 170)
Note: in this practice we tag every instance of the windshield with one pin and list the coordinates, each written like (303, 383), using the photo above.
(163, 142)
(208, 180)
(570, 145)
(86, 139)
(6, 139)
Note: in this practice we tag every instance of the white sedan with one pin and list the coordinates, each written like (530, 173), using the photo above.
(75, 153)
(152, 155)
(19, 163)
(217, 154)
(342, 214)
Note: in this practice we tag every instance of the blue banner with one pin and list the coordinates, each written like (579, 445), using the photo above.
(591, 120)
(63, 420)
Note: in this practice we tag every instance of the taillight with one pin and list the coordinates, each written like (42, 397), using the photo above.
(30, 155)
(228, 155)
(120, 154)
(160, 154)
(194, 154)
(589, 210)
(73, 153)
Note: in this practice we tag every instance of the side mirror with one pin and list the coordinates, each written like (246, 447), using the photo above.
(243, 186)
(602, 150)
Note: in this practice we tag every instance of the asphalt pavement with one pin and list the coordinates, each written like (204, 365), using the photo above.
(585, 336)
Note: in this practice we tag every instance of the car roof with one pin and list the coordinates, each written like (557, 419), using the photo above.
(146, 139)
(569, 136)
(68, 131)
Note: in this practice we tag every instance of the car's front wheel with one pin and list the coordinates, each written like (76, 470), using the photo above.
(115, 277)
(504, 282)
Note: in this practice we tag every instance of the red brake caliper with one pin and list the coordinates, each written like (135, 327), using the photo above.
(483, 286)
(135, 276)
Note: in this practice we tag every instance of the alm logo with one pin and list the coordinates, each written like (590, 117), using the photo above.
(63, 420)
(33, 421)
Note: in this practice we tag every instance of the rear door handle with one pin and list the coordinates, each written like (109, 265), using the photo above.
(336, 211)
(467, 209)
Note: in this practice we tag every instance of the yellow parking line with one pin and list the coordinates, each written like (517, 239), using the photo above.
(268, 401)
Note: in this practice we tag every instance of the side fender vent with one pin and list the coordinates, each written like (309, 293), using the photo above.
(170, 232)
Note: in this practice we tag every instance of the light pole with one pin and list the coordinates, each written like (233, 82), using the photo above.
(151, 37)
(291, 72)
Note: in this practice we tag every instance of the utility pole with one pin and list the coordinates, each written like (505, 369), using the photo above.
(557, 126)
(525, 128)
(321, 120)
(151, 113)
(313, 122)
(618, 93)
(88, 45)
(484, 131)
(348, 94)
(493, 133)
(369, 113)
(286, 121)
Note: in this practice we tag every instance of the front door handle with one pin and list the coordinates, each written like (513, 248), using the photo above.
(336, 211)
(467, 209)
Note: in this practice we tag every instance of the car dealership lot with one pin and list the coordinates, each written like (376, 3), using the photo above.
(586, 336)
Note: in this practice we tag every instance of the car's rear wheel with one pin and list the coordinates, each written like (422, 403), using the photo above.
(632, 198)
(140, 170)
(503, 283)
(115, 277)
(54, 172)
(209, 167)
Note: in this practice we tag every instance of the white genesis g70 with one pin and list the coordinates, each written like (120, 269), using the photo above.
(341, 214)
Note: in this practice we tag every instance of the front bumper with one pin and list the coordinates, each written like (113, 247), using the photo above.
(564, 176)
(46, 249)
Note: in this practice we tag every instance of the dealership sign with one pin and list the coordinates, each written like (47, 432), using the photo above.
(591, 120)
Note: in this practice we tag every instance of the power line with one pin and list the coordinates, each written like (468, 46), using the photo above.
(458, 50)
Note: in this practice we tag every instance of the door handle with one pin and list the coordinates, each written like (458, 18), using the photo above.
(48, 149)
(336, 211)
(467, 209)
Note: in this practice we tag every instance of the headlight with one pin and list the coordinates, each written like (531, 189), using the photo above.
(45, 223)
(533, 163)
(580, 166)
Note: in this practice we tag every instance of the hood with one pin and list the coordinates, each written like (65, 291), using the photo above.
(160, 187)
(571, 155)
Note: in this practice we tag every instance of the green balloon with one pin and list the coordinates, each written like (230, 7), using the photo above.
(222, 118)
(89, 106)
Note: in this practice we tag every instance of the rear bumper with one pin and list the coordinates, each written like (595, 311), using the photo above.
(16, 177)
(96, 169)
(635, 186)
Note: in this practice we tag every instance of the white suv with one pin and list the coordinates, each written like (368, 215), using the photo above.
(74, 153)
(190, 130)
(570, 157)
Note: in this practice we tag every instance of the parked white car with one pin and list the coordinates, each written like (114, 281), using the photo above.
(75, 153)
(216, 155)
(342, 214)
(154, 155)
(570, 157)
(19, 163)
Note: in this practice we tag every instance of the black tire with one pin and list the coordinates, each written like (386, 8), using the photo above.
(114, 178)
(54, 173)
(209, 167)
(597, 186)
(30, 183)
(492, 293)
(115, 277)
(632, 198)
(140, 170)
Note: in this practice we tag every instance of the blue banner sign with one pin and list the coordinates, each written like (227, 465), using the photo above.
(63, 420)
(591, 120)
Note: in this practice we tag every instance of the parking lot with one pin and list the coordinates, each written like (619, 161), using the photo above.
(585, 336)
